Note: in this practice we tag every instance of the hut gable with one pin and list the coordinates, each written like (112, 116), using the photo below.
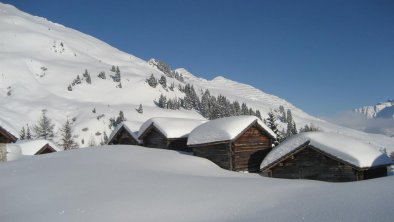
(125, 133)
(234, 143)
(324, 156)
(6, 136)
(30, 148)
(167, 133)
(226, 129)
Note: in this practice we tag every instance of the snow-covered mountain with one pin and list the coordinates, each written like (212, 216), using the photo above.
(380, 110)
(40, 61)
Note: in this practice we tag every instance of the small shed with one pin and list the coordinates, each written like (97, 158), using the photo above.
(125, 133)
(325, 156)
(6, 136)
(29, 148)
(237, 143)
(167, 133)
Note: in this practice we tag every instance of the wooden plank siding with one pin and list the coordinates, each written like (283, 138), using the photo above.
(6, 137)
(245, 153)
(217, 153)
(155, 139)
(309, 163)
(249, 150)
(123, 137)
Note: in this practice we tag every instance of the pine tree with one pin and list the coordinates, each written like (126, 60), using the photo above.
(283, 117)
(87, 77)
(28, 133)
(294, 129)
(120, 118)
(22, 133)
(162, 101)
(105, 138)
(258, 114)
(66, 140)
(113, 69)
(271, 123)
(244, 109)
(140, 109)
(44, 128)
(163, 81)
(171, 87)
(101, 75)
(69, 87)
(152, 81)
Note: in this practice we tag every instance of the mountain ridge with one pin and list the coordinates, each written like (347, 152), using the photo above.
(40, 61)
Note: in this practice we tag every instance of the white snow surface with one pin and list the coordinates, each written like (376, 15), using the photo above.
(347, 149)
(131, 127)
(27, 148)
(131, 183)
(224, 129)
(39, 59)
(171, 128)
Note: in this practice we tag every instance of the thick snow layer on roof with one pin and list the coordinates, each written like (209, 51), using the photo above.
(27, 148)
(347, 149)
(131, 183)
(131, 127)
(224, 129)
(171, 128)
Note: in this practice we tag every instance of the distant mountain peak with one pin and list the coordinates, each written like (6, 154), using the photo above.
(380, 110)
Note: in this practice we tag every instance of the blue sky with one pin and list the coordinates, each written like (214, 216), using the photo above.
(323, 56)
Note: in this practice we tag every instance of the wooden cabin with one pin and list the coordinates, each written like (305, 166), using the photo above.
(326, 157)
(30, 148)
(126, 133)
(167, 133)
(6, 136)
(236, 143)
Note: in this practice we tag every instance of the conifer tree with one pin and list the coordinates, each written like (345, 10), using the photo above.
(44, 128)
(163, 81)
(101, 75)
(113, 69)
(244, 109)
(271, 123)
(87, 77)
(69, 87)
(258, 114)
(140, 109)
(162, 101)
(28, 133)
(66, 140)
(22, 133)
(152, 81)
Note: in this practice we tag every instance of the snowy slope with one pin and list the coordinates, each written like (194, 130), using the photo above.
(130, 183)
(39, 59)
(380, 110)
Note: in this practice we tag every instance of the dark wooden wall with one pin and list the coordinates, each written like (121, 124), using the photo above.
(217, 153)
(5, 137)
(46, 149)
(155, 139)
(311, 164)
(249, 150)
(179, 144)
(375, 172)
(123, 137)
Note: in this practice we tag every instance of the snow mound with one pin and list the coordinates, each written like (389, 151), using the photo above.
(171, 127)
(224, 129)
(357, 153)
(27, 148)
(131, 183)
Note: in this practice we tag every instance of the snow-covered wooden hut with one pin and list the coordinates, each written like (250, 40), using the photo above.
(326, 157)
(29, 148)
(167, 133)
(125, 133)
(237, 143)
(6, 136)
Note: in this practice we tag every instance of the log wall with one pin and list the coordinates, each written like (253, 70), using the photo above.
(123, 137)
(311, 164)
(249, 150)
(217, 153)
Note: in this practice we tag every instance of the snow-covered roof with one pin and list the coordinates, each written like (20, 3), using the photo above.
(171, 128)
(224, 129)
(8, 133)
(131, 127)
(28, 148)
(352, 151)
